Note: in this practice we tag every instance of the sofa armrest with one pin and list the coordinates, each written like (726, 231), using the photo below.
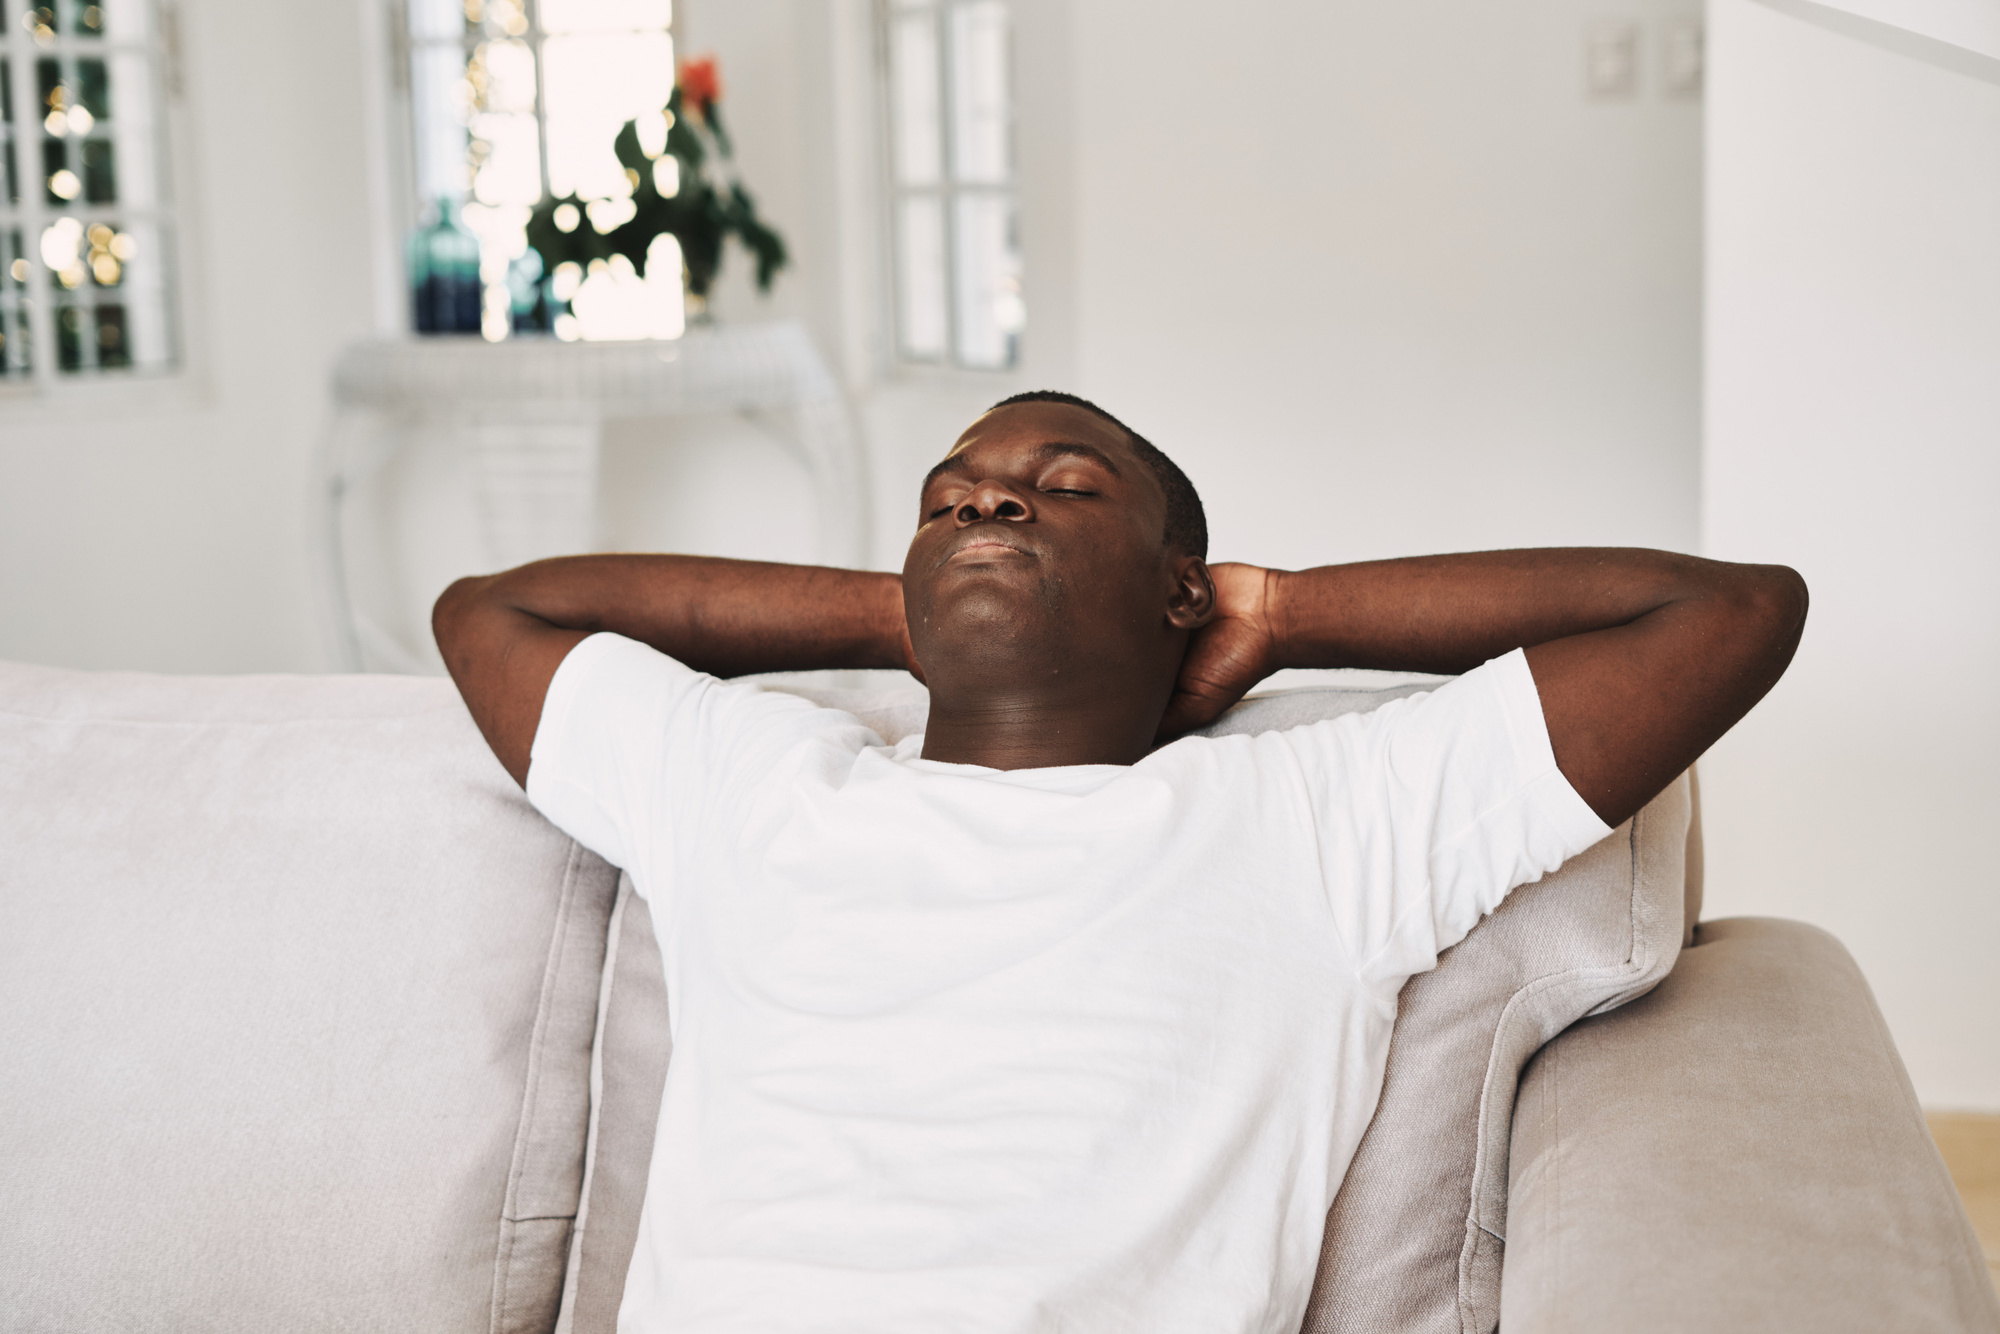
(1739, 1150)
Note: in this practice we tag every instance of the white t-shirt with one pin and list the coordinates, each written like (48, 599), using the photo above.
(1084, 1048)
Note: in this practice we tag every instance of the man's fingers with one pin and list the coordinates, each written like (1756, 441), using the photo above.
(1192, 708)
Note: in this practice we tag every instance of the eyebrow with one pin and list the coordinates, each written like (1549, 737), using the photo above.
(1055, 449)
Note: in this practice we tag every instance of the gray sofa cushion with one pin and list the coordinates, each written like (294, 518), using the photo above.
(1741, 1150)
(1413, 1243)
(297, 997)
(628, 1074)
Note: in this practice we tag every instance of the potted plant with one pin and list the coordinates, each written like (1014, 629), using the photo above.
(684, 185)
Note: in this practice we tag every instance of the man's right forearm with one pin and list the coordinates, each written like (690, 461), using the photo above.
(1641, 659)
(726, 617)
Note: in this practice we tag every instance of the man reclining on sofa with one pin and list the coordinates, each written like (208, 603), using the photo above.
(1043, 1020)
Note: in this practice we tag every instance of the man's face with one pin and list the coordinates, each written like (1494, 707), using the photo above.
(1040, 530)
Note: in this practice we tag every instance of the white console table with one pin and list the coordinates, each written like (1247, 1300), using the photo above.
(529, 415)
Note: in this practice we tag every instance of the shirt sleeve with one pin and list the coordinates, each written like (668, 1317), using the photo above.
(1432, 808)
(634, 751)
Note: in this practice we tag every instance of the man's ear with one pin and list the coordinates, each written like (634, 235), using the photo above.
(1192, 603)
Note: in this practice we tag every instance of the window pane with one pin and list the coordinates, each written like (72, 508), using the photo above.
(15, 348)
(988, 281)
(110, 292)
(604, 15)
(93, 88)
(918, 145)
(509, 157)
(980, 132)
(502, 75)
(594, 85)
(99, 172)
(920, 279)
(70, 342)
(59, 183)
(92, 282)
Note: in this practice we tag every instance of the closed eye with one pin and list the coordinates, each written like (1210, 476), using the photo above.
(1066, 491)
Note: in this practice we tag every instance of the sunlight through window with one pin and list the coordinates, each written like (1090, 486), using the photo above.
(511, 102)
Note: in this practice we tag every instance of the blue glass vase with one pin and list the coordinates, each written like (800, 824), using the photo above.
(444, 274)
(526, 293)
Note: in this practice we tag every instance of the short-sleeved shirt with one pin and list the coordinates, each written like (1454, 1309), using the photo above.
(1084, 1048)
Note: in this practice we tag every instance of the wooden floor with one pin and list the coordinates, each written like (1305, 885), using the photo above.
(1971, 1148)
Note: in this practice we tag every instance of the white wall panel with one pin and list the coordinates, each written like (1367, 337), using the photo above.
(1853, 431)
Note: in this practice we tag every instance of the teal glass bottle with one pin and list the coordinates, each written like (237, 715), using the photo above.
(444, 274)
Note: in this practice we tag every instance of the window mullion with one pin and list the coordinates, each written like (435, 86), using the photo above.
(948, 182)
(86, 293)
(534, 39)
(32, 216)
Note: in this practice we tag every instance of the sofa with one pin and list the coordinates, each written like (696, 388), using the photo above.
(309, 1022)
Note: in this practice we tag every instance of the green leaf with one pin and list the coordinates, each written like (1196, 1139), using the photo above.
(699, 217)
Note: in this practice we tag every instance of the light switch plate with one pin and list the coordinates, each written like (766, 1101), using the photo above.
(1681, 57)
(1611, 60)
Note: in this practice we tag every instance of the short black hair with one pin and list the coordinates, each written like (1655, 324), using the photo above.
(1187, 522)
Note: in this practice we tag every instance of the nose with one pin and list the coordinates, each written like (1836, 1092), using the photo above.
(992, 500)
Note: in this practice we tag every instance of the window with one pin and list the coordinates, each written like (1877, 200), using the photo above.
(953, 206)
(85, 226)
(511, 99)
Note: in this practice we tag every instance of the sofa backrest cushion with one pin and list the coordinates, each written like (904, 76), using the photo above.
(1413, 1242)
(297, 997)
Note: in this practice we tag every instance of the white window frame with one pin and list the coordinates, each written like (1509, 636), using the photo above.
(33, 214)
(949, 189)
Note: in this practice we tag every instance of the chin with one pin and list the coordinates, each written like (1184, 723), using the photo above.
(987, 613)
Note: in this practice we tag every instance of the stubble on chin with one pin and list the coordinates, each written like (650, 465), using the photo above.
(985, 620)
(1053, 592)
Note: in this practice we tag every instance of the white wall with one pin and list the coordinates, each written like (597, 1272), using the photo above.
(1853, 431)
(1382, 279)
(161, 528)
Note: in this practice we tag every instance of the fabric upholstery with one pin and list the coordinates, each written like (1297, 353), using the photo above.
(1413, 1242)
(297, 997)
(1741, 1150)
(629, 1072)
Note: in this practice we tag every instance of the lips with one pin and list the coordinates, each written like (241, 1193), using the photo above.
(975, 541)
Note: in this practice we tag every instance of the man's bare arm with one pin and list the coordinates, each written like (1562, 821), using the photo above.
(504, 635)
(1643, 658)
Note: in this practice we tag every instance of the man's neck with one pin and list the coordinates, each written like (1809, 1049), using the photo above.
(1017, 727)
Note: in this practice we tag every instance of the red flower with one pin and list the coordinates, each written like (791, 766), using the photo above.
(700, 84)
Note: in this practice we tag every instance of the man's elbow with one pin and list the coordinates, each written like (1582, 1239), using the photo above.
(1783, 593)
(1773, 601)
(449, 612)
